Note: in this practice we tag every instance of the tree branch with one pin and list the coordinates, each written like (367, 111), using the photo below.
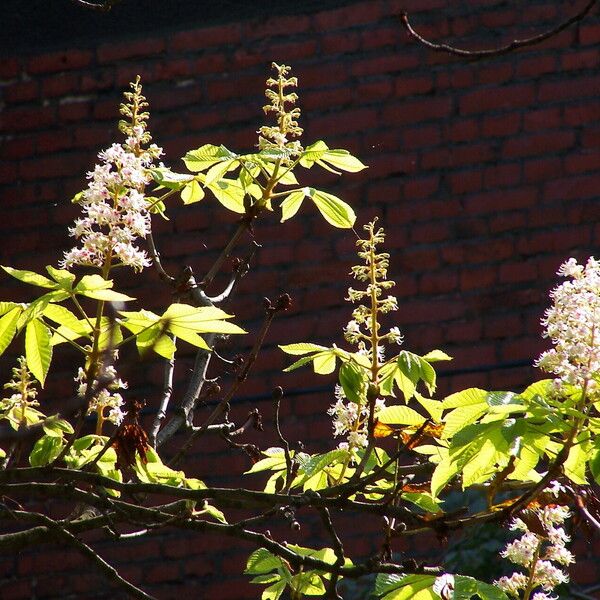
(492, 52)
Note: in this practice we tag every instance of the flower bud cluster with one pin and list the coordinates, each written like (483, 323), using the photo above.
(279, 137)
(107, 398)
(114, 206)
(24, 394)
(573, 325)
(537, 553)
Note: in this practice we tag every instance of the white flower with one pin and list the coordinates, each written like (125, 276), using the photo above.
(522, 550)
(115, 209)
(573, 325)
(547, 576)
(395, 336)
(513, 584)
(443, 586)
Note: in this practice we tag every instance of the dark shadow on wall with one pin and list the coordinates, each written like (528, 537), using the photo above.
(40, 24)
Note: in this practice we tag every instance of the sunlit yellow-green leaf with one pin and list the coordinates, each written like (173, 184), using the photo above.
(38, 350)
(192, 192)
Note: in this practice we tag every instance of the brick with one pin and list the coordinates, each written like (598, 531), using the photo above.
(545, 118)
(340, 43)
(414, 111)
(574, 89)
(505, 175)
(9, 67)
(59, 61)
(462, 130)
(589, 34)
(25, 119)
(580, 114)
(414, 85)
(583, 161)
(348, 16)
(542, 143)
(371, 91)
(584, 59)
(497, 98)
(199, 39)
(60, 85)
(536, 66)
(465, 181)
(21, 91)
(544, 168)
(280, 26)
(117, 51)
(422, 136)
(393, 63)
(571, 188)
(494, 201)
(501, 125)
(496, 73)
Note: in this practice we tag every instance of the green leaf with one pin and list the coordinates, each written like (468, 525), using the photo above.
(324, 362)
(61, 315)
(38, 350)
(206, 156)
(107, 295)
(405, 587)
(422, 500)
(291, 204)
(8, 306)
(63, 277)
(274, 591)
(313, 153)
(435, 356)
(230, 193)
(467, 587)
(54, 426)
(8, 327)
(301, 348)
(192, 192)
(205, 319)
(45, 450)
(216, 172)
(400, 415)
(342, 159)
(214, 512)
(466, 397)
(416, 368)
(168, 179)
(334, 210)
(31, 278)
(352, 381)
(261, 561)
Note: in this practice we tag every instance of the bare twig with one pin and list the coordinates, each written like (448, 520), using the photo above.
(59, 531)
(499, 51)
(282, 303)
(156, 260)
(103, 6)
(289, 465)
(165, 398)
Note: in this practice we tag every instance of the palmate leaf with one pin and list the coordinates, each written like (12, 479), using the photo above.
(8, 326)
(206, 156)
(321, 154)
(400, 415)
(230, 193)
(405, 587)
(334, 210)
(291, 205)
(31, 278)
(38, 349)
(192, 192)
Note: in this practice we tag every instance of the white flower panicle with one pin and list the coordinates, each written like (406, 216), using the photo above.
(106, 403)
(114, 206)
(573, 325)
(537, 553)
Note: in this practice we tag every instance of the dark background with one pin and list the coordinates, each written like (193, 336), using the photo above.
(484, 174)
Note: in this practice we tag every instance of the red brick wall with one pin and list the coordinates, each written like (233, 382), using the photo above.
(484, 174)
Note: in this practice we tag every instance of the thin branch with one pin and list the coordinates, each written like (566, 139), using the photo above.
(289, 466)
(103, 6)
(240, 270)
(165, 398)
(155, 256)
(282, 303)
(108, 570)
(499, 51)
